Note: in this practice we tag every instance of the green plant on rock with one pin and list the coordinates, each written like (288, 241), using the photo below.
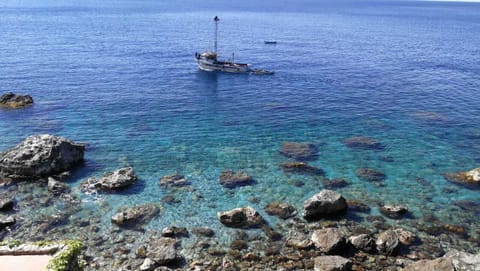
(67, 259)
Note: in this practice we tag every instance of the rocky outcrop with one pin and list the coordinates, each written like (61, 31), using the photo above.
(370, 175)
(298, 240)
(175, 180)
(363, 143)
(328, 240)
(281, 209)
(301, 168)
(111, 181)
(56, 187)
(6, 221)
(40, 155)
(245, 217)
(471, 177)
(440, 264)
(387, 242)
(332, 263)
(12, 100)
(363, 242)
(452, 261)
(163, 251)
(6, 203)
(135, 216)
(394, 211)
(299, 151)
(464, 261)
(231, 179)
(324, 204)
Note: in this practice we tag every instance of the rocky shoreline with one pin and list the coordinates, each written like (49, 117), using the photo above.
(324, 236)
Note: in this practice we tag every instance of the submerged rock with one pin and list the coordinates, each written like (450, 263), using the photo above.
(6, 203)
(364, 143)
(135, 216)
(281, 209)
(175, 232)
(370, 175)
(328, 240)
(299, 151)
(231, 179)
(335, 183)
(471, 177)
(245, 217)
(57, 187)
(324, 204)
(357, 206)
(394, 211)
(111, 181)
(301, 168)
(12, 100)
(298, 240)
(332, 263)
(175, 180)
(40, 155)
(6, 221)
(163, 251)
(206, 232)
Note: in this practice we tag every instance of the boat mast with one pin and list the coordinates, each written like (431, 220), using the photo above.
(216, 19)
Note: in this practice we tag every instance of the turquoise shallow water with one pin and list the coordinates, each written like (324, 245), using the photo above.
(123, 80)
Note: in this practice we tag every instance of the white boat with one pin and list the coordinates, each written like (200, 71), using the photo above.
(208, 61)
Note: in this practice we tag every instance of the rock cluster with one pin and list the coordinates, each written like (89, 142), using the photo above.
(12, 100)
(245, 217)
(40, 155)
(111, 181)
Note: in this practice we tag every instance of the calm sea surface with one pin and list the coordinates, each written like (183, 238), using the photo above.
(121, 76)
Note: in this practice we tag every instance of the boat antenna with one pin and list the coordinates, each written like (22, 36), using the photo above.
(216, 19)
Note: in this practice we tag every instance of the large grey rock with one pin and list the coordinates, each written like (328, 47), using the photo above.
(464, 261)
(111, 181)
(244, 217)
(324, 204)
(281, 209)
(163, 251)
(362, 242)
(135, 216)
(332, 263)
(231, 179)
(40, 155)
(299, 151)
(328, 240)
(12, 100)
(387, 242)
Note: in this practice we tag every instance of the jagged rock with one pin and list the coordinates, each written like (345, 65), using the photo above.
(324, 204)
(6, 221)
(163, 251)
(207, 232)
(335, 183)
(328, 240)
(440, 264)
(40, 155)
(245, 217)
(363, 242)
(387, 242)
(175, 232)
(12, 100)
(57, 187)
(134, 216)
(364, 143)
(175, 180)
(471, 177)
(464, 261)
(394, 211)
(301, 168)
(111, 181)
(370, 175)
(6, 203)
(148, 265)
(230, 179)
(332, 263)
(281, 209)
(298, 240)
(299, 151)
(405, 237)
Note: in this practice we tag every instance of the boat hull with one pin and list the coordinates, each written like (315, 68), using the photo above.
(222, 66)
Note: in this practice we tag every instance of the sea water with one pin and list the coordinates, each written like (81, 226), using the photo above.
(120, 76)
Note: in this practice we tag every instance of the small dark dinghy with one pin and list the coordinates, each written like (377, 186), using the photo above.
(270, 42)
(262, 72)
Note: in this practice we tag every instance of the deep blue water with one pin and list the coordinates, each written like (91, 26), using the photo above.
(121, 76)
